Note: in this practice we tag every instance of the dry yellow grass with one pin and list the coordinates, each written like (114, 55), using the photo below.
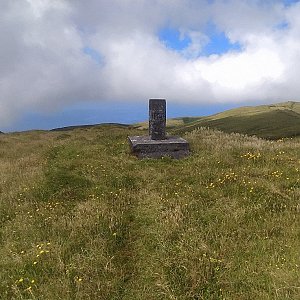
(170, 124)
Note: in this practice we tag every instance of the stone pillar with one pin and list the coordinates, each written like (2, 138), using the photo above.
(157, 119)
(157, 144)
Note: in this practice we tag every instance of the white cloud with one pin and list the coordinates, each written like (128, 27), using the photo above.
(241, 73)
(43, 65)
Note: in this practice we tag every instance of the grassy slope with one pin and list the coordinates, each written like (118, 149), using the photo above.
(82, 219)
(267, 121)
(254, 110)
(270, 125)
(68, 128)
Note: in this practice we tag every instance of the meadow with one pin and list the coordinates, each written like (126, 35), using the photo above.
(80, 218)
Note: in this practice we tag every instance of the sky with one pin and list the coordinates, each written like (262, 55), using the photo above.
(71, 62)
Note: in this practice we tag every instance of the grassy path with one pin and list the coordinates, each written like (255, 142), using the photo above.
(82, 219)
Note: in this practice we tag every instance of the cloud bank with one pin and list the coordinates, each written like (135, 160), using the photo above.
(58, 52)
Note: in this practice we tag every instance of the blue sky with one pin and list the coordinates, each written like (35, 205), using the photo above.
(290, 2)
(68, 63)
(217, 42)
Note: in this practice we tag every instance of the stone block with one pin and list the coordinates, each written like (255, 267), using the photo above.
(145, 147)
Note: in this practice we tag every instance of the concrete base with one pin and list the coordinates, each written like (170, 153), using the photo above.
(172, 146)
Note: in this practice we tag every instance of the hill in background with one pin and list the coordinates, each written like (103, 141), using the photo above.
(69, 128)
(273, 121)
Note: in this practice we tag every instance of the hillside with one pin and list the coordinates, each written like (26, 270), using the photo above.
(68, 128)
(266, 121)
(80, 218)
(255, 110)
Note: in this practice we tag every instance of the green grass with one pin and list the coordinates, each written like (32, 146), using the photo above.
(83, 219)
(270, 125)
(254, 110)
(273, 121)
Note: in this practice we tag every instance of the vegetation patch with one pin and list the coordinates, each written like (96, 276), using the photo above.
(80, 218)
(271, 122)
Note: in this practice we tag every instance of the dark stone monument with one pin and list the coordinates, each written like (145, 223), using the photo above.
(157, 119)
(158, 144)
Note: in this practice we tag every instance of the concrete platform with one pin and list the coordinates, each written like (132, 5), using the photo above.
(172, 146)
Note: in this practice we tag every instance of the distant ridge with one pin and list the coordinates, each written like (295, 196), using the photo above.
(253, 110)
(68, 128)
(272, 121)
